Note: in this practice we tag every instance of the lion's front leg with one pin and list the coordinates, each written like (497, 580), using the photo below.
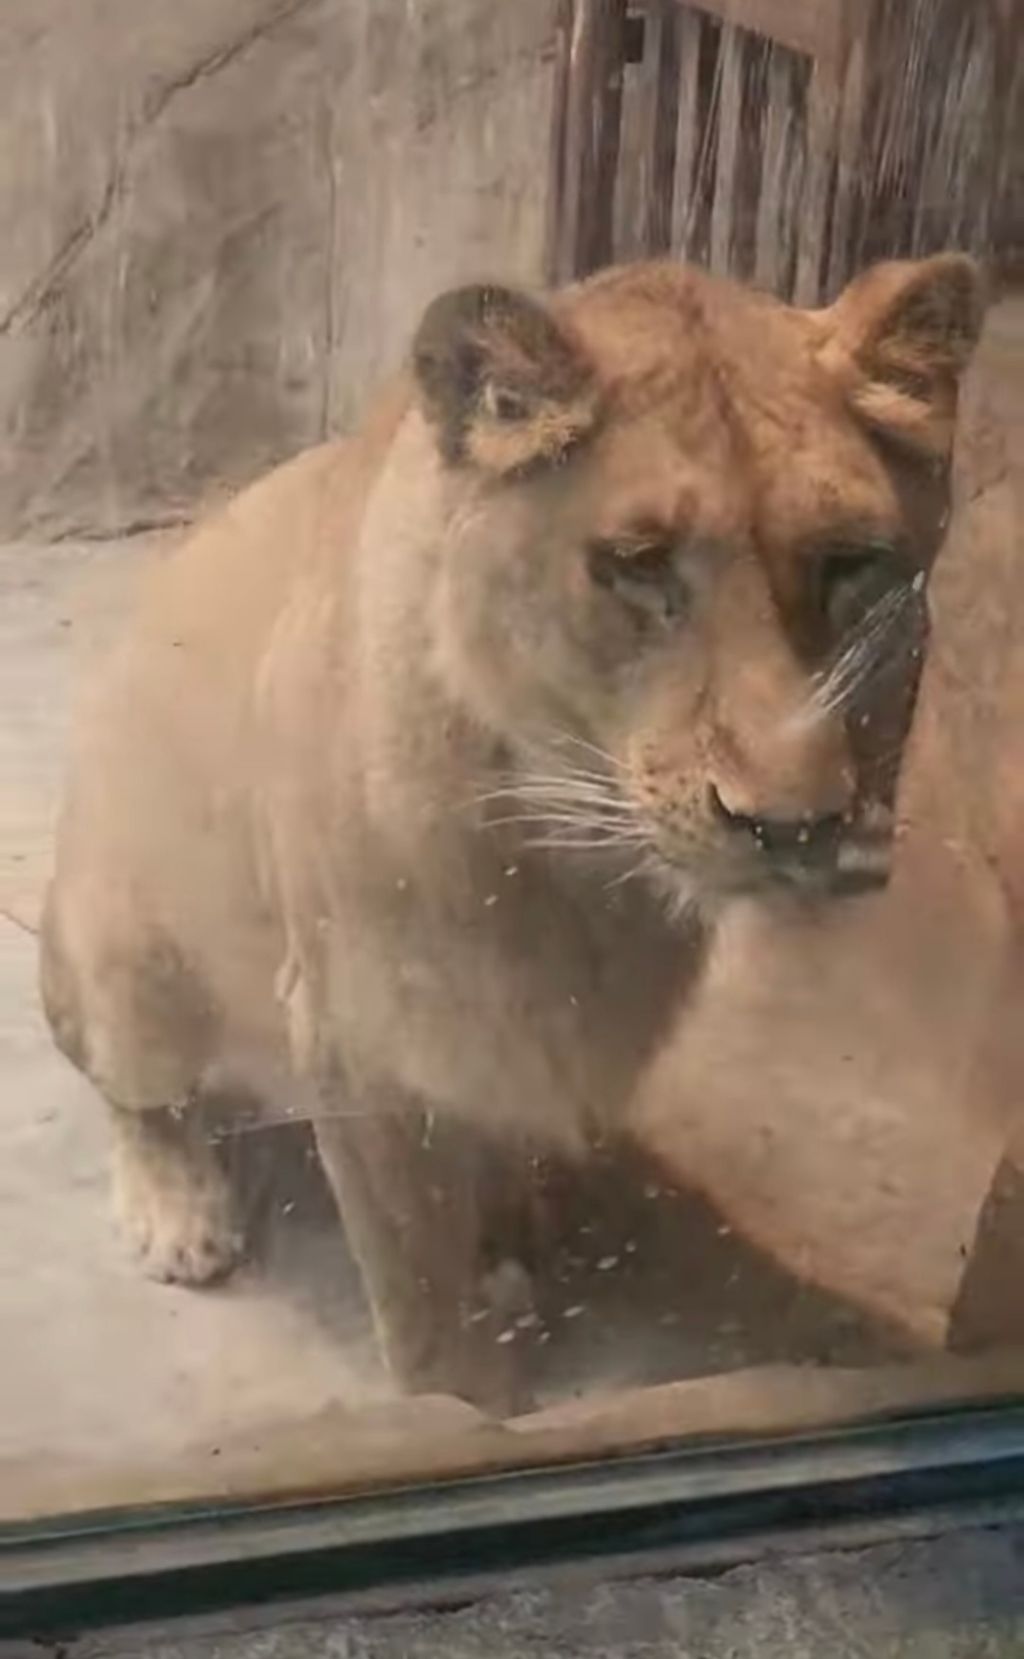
(425, 1212)
(174, 1202)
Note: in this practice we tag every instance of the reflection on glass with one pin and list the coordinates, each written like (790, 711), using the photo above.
(535, 877)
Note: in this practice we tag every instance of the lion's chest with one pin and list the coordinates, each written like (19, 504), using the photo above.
(505, 1001)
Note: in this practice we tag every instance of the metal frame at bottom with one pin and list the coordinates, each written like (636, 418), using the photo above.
(697, 1505)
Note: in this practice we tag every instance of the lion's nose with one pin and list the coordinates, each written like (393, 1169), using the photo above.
(808, 839)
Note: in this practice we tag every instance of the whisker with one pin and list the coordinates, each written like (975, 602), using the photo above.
(564, 773)
(587, 843)
(574, 821)
(864, 653)
(574, 779)
(552, 788)
(590, 748)
(640, 868)
(564, 807)
(545, 811)
(555, 787)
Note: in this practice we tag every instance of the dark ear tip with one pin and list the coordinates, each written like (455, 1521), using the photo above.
(447, 354)
(489, 358)
(475, 303)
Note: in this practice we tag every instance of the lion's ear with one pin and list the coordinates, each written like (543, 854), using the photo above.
(504, 385)
(900, 336)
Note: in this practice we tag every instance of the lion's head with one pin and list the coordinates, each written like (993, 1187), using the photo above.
(689, 531)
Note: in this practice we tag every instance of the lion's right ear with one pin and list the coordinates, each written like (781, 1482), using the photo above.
(504, 385)
(899, 338)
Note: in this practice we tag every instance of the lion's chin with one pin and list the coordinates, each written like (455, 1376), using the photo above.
(695, 891)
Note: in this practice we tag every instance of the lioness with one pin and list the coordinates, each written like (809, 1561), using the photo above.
(424, 769)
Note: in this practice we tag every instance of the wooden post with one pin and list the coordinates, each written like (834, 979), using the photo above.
(771, 265)
(822, 107)
(593, 111)
(660, 83)
(849, 136)
(688, 134)
(824, 99)
(730, 99)
(555, 214)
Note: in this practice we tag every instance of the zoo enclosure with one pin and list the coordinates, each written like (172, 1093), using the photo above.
(785, 141)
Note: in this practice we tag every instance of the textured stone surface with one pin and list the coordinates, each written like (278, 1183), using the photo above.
(218, 221)
(955, 1598)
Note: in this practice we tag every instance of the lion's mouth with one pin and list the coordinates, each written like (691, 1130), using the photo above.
(854, 864)
(851, 864)
(831, 857)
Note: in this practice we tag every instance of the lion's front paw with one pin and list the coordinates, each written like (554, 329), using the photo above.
(175, 1211)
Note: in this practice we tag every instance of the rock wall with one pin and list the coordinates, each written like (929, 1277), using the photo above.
(219, 219)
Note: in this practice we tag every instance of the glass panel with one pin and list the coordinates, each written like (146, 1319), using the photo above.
(511, 923)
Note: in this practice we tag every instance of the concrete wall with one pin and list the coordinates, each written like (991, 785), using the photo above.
(219, 219)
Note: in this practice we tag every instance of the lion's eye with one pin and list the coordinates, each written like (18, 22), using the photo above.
(645, 576)
(853, 581)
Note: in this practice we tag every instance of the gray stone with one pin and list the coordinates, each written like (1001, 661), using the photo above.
(218, 222)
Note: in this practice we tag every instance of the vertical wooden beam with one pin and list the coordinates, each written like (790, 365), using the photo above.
(822, 115)
(659, 74)
(824, 103)
(849, 136)
(770, 261)
(632, 172)
(730, 99)
(688, 134)
(555, 207)
(591, 148)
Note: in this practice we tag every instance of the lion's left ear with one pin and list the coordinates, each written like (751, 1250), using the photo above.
(899, 338)
(505, 387)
